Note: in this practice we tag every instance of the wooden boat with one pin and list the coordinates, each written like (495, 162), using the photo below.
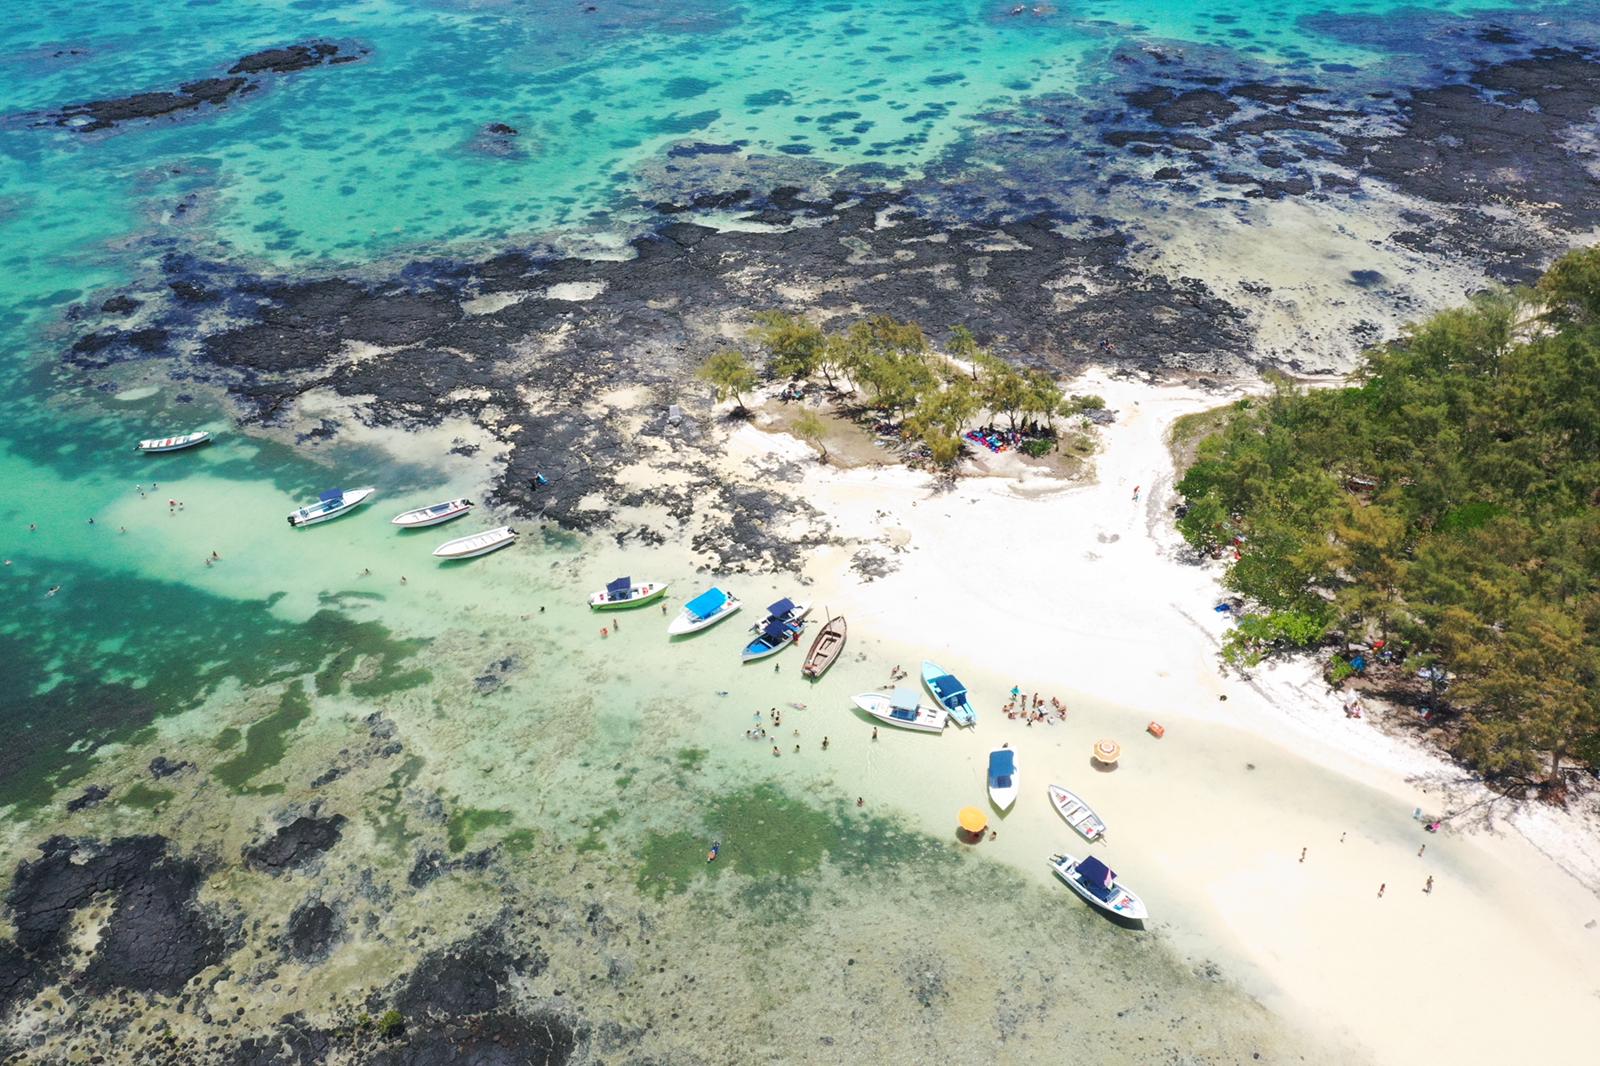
(623, 593)
(704, 611)
(950, 693)
(476, 544)
(1077, 813)
(331, 504)
(436, 514)
(1002, 778)
(827, 648)
(903, 710)
(782, 627)
(174, 444)
(1097, 883)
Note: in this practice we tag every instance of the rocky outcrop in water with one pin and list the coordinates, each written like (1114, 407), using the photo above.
(243, 77)
(296, 844)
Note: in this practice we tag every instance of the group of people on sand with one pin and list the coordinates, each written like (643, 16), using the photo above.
(1033, 708)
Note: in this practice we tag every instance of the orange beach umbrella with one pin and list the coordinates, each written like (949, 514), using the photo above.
(1107, 751)
(972, 820)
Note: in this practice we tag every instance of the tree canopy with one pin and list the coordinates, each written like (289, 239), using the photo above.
(1449, 500)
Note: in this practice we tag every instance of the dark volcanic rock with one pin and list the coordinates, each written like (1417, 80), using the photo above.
(295, 844)
(495, 1040)
(155, 939)
(431, 865)
(312, 929)
(90, 797)
(243, 77)
(161, 766)
(467, 977)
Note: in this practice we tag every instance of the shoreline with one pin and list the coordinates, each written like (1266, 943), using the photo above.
(1137, 646)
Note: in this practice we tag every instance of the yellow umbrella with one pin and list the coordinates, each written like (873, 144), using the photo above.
(972, 820)
(1107, 751)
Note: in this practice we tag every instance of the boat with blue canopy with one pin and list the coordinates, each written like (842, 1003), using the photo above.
(1003, 778)
(1097, 883)
(705, 610)
(625, 592)
(903, 710)
(951, 694)
(331, 504)
(780, 628)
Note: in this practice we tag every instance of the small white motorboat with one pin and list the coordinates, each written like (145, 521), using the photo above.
(437, 514)
(174, 444)
(781, 627)
(331, 504)
(1097, 883)
(625, 592)
(902, 709)
(1077, 813)
(1002, 778)
(476, 544)
(704, 611)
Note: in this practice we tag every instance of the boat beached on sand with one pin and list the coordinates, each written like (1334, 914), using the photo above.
(1097, 883)
(1077, 813)
(705, 610)
(827, 648)
(902, 709)
(1003, 778)
(623, 593)
(475, 544)
(950, 693)
(782, 627)
(331, 504)
(433, 515)
(174, 444)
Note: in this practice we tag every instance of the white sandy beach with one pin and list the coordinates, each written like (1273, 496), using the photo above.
(1081, 593)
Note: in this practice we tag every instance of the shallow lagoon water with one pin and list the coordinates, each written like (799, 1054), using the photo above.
(591, 761)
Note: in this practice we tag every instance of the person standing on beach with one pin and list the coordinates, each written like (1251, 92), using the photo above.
(1302, 854)
(874, 732)
(1428, 888)
(1380, 887)
(1421, 850)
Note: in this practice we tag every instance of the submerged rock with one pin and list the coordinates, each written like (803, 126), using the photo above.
(91, 797)
(312, 930)
(296, 844)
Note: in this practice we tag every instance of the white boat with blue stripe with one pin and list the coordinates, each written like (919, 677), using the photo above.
(704, 611)
(1002, 778)
(331, 504)
(782, 627)
(1097, 883)
(951, 694)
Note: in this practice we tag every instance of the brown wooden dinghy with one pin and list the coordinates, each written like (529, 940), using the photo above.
(826, 649)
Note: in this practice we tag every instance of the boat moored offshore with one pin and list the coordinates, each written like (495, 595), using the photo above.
(331, 504)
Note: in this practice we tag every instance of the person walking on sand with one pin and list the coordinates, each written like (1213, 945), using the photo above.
(1421, 850)
(1381, 888)
(1302, 854)
(874, 732)
(824, 743)
(1428, 888)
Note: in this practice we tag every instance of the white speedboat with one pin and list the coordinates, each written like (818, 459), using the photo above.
(476, 544)
(625, 592)
(1002, 778)
(780, 628)
(174, 444)
(704, 611)
(1097, 883)
(902, 709)
(331, 504)
(437, 514)
(1077, 813)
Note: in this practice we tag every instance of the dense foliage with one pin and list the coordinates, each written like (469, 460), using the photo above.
(935, 396)
(1449, 502)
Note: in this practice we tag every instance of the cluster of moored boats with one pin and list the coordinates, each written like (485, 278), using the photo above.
(781, 627)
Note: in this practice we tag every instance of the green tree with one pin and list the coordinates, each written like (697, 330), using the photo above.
(730, 373)
(810, 427)
(795, 344)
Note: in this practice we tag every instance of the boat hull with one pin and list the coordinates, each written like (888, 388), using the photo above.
(827, 648)
(422, 519)
(470, 547)
(647, 593)
(353, 500)
(961, 710)
(1123, 904)
(685, 624)
(160, 445)
(928, 720)
(1003, 798)
(1077, 814)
